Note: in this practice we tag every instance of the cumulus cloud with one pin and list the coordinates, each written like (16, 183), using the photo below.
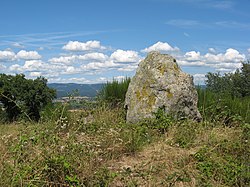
(99, 66)
(119, 78)
(231, 55)
(7, 55)
(192, 56)
(30, 65)
(93, 56)
(28, 55)
(184, 62)
(122, 56)
(212, 50)
(71, 70)
(80, 80)
(35, 74)
(199, 79)
(63, 59)
(48, 70)
(162, 47)
(129, 67)
(248, 50)
(228, 61)
(81, 46)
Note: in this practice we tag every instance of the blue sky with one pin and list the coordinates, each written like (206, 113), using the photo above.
(90, 41)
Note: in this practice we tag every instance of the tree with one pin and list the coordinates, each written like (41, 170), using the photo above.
(21, 96)
(236, 84)
(219, 84)
(245, 73)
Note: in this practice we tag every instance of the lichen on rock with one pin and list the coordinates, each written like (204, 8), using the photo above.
(160, 83)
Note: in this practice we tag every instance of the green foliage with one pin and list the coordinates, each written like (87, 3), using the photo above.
(234, 84)
(217, 107)
(223, 164)
(114, 92)
(185, 134)
(162, 121)
(24, 97)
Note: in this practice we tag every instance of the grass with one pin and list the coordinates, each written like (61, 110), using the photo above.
(96, 147)
(114, 92)
(223, 108)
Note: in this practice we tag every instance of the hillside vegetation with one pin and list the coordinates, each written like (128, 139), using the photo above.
(96, 147)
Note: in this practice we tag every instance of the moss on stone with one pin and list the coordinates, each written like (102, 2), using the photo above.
(169, 94)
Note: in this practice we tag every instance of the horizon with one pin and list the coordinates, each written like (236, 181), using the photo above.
(89, 42)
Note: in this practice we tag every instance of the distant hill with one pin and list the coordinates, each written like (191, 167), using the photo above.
(89, 90)
(64, 89)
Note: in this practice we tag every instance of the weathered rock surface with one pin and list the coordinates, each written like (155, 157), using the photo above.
(160, 83)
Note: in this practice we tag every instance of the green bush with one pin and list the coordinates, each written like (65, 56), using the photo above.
(226, 163)
(217, 107)
(114, 92)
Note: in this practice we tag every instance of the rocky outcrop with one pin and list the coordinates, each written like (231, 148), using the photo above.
(160, 83)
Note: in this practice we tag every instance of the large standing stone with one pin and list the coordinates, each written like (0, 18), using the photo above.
(160, 83)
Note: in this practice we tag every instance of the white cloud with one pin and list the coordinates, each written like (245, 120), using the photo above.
(248, 50)
(81, 46)
(100, 57)
(223, 62)
(80, 80)
(199, 79)
(71, 70)
(192, 56)
(7, 55)
(99, 66)
(191, 63)
(162, 47)
(129, 67)
(38, 66)
(93, 56)
(231, 55)
(121, 56)
(119, 78)
(17, 45)
(15, 68)
(35, 74)
(28, 55)
(227, 66)
(211, 50)
(63, 59)
(33, 65)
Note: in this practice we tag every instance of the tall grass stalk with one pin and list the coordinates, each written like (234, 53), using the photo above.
(213, 104)
(114, 92)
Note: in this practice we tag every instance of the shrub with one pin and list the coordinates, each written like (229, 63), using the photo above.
(217, 107)
(114, 92)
